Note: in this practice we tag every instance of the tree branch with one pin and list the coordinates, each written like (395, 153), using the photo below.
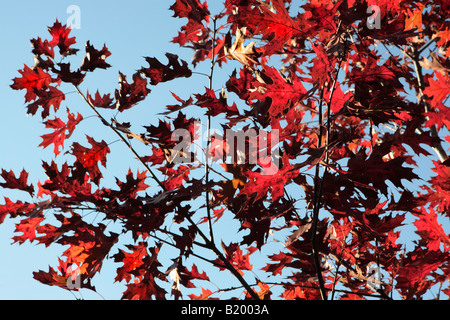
(208, 243)
(208, 140)
(437, 146)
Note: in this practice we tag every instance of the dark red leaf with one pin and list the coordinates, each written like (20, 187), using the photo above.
(130, 94)
(95, 58)
(20, 183)
(157, 72)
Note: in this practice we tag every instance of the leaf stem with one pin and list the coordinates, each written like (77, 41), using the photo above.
(106, 123)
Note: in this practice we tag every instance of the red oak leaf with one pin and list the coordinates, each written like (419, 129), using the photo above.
(42, 47)
(438, 89)
(411, 277)
(32, 81)
(144, 286)
(157, 72)
(46, 99)
(284, 93)
(430, 230)
(95, 58)
(371, 72)
(439, 117)
(15, 209)
(28, 227)
(439, 191)
(52, 278)
(66, 75)
(131, 261)
(130, 94)
(184, 104)
(216, 105)
(273, 22)
(321, 69)
(194, 31)
(88, 246)
(11, 182)
(191, 9)
(100, 101)
(175, 177)
(60, 34)
(206, 293)
(259, 183)
(62, 131)
(234, 254)
(65, 278)
(277, 268)
(88, 158)
(130, 188)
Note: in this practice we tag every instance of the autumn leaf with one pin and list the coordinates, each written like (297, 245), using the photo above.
(235, 255)
(259, 183)
(132, 186)
(66, 75)
(101, 101)
(88, 158)
(438, 89)
(415, 267)
(95, 58)
(283, 93)
(52, 278)
(18, 208)
(42, 47)
(28, 228)
(31, 80)
(430, 230)
(157, 72)
(131, 261)
(247, 55)
(130, 94)
(216, 105)
(205, 295)
(197, 14)
(63, 278)
(62, 131)
(20, 183)
(60, 37)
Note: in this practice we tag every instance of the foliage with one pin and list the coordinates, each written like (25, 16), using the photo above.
(355, 121)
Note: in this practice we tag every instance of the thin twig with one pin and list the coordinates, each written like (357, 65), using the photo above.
(437, 146)
(318, 185)
(316, 201)
(121, 138)
(208, 140)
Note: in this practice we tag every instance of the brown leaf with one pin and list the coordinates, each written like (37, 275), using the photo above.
(237, 50)
(434, 64)
(296, 234)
